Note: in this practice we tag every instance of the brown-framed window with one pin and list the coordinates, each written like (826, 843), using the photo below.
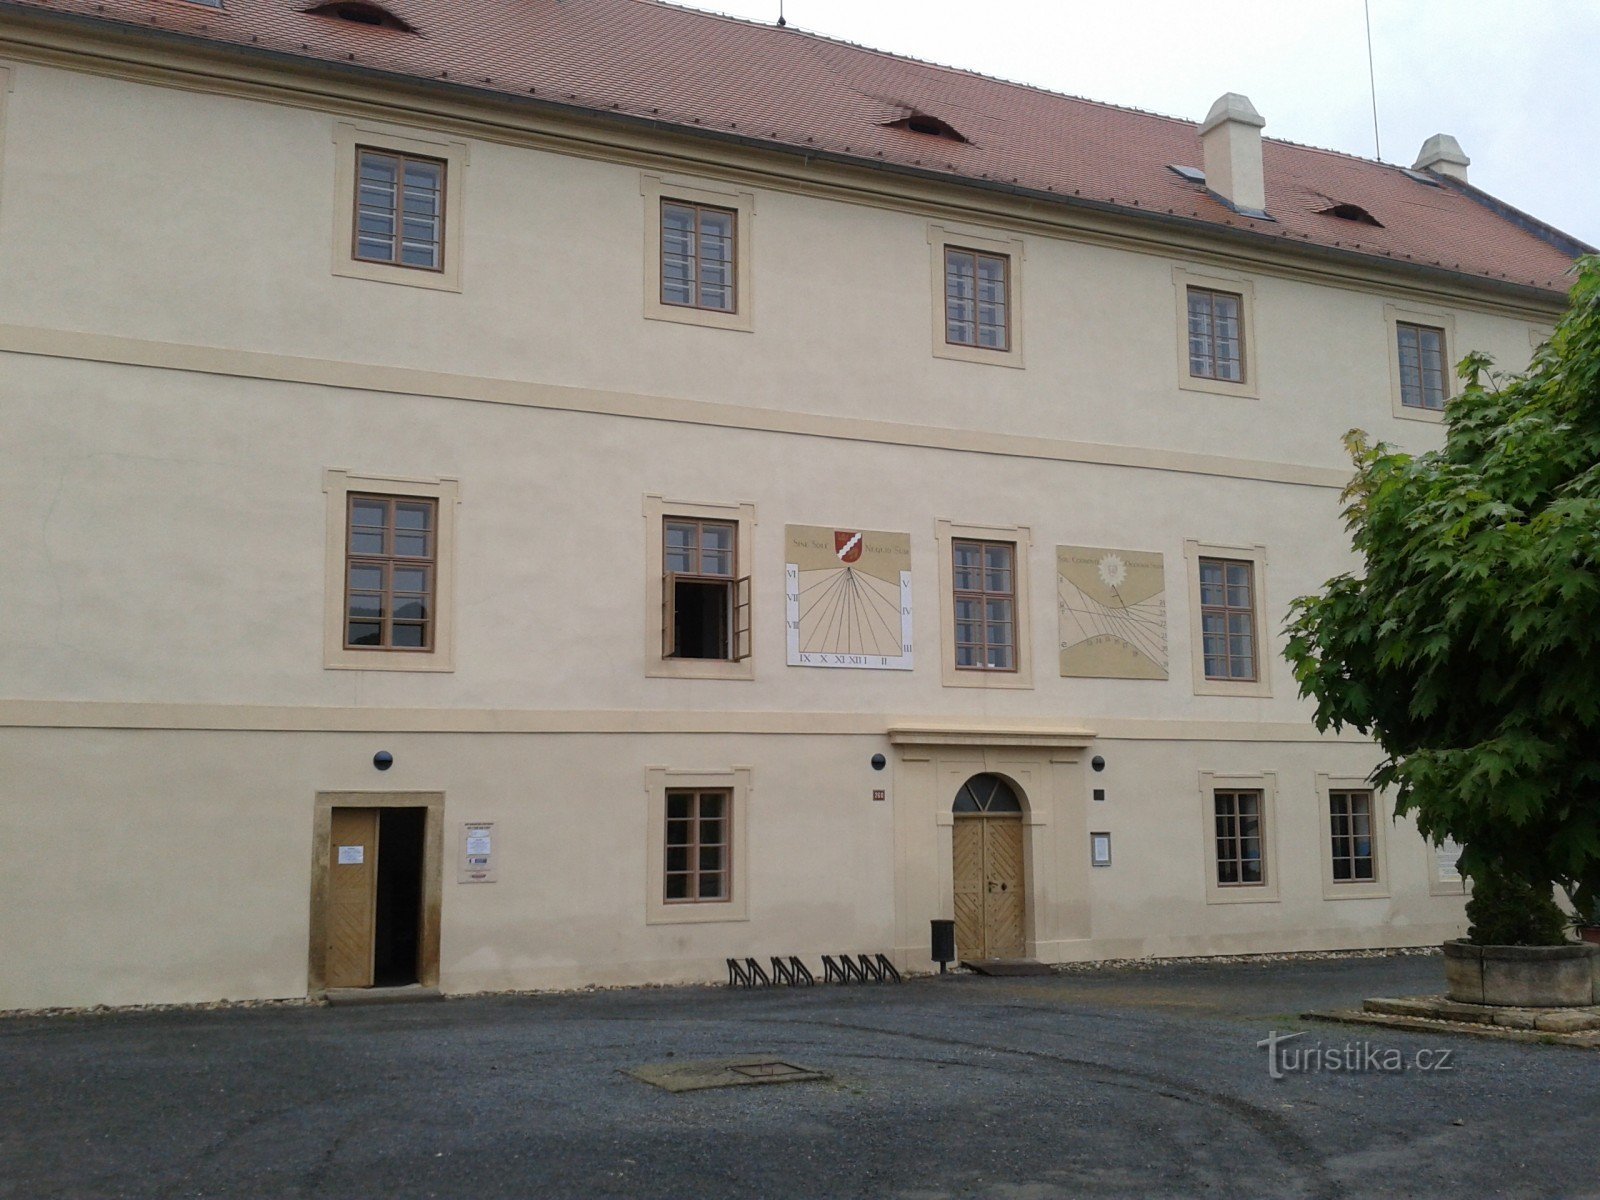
(399, 209)
(706, 601)
(984, 575)
(1350, 820)
(391, 572)
(699, 865)
(698, 244)
(977, 299)
(1216, 335)
(1228, 618)
(1422, 380)
(1240, 862)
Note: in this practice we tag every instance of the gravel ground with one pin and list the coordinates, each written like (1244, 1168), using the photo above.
(1114, 1082)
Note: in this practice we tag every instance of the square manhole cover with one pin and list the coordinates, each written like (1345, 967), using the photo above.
(723, 1072)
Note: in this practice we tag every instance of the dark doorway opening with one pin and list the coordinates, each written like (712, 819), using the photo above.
(398, 931)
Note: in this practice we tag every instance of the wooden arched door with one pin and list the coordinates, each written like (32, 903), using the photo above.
(990, 896)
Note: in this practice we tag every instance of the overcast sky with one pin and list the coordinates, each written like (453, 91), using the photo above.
(1516, 81)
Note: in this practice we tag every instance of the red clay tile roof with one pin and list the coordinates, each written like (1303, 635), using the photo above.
(643, 59)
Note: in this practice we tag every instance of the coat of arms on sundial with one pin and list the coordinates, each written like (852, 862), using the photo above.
(849, 598)
(1113, 609)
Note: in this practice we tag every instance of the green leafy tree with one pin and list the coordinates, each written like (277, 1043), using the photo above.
(1470, 648)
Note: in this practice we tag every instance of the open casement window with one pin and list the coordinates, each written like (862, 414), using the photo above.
(706, 608)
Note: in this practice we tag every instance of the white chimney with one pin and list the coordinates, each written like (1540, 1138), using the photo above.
(1442, 155)
(1230, 138)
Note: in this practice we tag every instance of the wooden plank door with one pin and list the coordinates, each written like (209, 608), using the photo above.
(968, 876)
(352, 896)
(1003, 892)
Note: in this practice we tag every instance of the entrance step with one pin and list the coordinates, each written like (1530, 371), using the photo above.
(408, 994)
(1006, 966)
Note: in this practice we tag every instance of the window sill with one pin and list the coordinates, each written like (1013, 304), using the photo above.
(385, 660)
(1428, 416)
(1254, 894)
(1259, 689)
(977, 354)
(960, 677)
(1219, 387)
(1355, 891)
(700, 668)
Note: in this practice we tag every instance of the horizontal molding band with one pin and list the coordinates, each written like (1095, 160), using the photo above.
(409, 381)
(263, 718)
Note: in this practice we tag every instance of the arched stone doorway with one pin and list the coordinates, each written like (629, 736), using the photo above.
(987, 870)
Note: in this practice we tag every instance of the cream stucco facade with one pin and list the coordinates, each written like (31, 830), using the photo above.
(187, 379)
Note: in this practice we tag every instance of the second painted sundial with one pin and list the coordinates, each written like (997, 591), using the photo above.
(1113, 607)
(849, 598)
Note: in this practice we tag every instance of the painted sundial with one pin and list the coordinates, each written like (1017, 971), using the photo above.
(849, 597)
(1113, 606)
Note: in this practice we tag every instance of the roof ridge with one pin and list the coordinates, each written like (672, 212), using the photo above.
(910, 58)
(972, 72)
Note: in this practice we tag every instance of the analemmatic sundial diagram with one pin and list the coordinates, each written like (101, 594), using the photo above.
(1113, 613)
(849, 598)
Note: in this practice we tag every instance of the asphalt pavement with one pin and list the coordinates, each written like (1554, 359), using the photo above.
(1143, 1082)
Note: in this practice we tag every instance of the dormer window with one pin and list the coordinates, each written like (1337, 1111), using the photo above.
(924, 123)
(361, 12)
(1351, 212)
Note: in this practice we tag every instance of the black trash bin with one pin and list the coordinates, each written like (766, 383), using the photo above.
(944, 944)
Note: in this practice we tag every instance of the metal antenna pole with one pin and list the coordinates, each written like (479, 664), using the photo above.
(1372, 80)
(781, 21)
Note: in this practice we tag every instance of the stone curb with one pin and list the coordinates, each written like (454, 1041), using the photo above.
(1352, 1016)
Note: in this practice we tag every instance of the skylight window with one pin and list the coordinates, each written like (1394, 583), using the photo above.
(361, 12)
(1192, 174)
(1351, 212)
(925, 123)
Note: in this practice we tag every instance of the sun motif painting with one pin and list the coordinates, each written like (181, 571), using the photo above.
(1113, 607)
(849, 598)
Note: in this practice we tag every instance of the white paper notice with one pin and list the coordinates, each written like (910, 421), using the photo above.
(1448, 856)
(477, 841)
(352, 856)
(1100, 849)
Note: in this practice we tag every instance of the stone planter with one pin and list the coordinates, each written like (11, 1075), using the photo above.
(1523, 976)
